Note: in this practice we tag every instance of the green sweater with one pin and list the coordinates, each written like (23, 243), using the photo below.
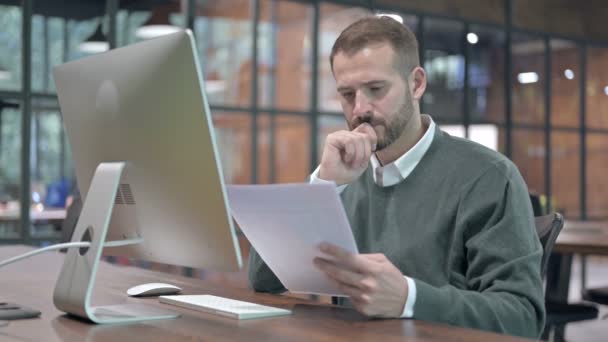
(461, 225)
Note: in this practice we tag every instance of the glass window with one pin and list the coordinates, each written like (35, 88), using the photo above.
(292, 148)
(597, 182)
(10, 167)
(10, 48)
(233, 138)
(444, 65)
(224, 35)
(283, 148)
(47, 50)
(528, 79)
(284, 55)
(332, 20)
(565, 83)
(565, 173)
(597, 88)
(328, 124)
(529, 156)
(52, 177)
(486, 74)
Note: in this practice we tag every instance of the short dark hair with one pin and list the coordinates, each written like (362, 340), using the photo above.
(374, 30)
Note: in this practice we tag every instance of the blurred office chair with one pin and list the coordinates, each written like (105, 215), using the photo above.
(548, 228)
(558, 313)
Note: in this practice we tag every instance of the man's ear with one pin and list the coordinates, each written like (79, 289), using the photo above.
(417, 82)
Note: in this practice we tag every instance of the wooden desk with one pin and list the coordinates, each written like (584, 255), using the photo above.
(35, 215)
(577, 237)
(580, 237)
(31, 283)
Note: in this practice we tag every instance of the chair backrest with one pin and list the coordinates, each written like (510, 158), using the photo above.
(548, 228)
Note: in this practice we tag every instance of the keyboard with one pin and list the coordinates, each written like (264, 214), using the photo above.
(223, 306)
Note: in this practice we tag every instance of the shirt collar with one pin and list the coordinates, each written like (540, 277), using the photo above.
(398, 170)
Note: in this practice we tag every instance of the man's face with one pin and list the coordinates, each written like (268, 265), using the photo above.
(373, 91)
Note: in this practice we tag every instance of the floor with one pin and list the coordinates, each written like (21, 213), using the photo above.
(597, 276)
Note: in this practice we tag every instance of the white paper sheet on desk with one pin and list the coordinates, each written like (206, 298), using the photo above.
(285, 223)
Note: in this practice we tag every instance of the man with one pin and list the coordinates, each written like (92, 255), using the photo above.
(444, 225)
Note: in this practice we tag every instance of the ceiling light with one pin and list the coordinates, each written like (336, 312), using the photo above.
(157, 25)
(5, 74)
(527, 77)
(96, 43)
(569, 74)
(472, 38)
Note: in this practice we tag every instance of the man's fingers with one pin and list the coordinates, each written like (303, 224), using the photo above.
(360, 146)
(369, 132)
(345, 258)
(353, 292)
(339, 274)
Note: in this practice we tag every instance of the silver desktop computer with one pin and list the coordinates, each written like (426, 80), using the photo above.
(147, 166)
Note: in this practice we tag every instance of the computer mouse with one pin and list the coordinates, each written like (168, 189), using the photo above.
(153, 289)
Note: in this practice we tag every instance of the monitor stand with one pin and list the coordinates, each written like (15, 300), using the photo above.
(75, 283)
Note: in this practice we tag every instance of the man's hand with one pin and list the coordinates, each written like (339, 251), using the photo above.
(375, 286)
(346, 154)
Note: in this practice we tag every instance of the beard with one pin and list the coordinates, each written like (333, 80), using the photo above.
(393, 128)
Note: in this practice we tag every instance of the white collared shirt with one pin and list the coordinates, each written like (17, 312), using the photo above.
(392, 174)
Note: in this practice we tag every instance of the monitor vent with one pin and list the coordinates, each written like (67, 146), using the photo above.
(119, 199)
(124, 195)
(127, 194)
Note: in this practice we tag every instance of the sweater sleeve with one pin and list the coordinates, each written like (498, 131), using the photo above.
(503, 285)
(261, 278)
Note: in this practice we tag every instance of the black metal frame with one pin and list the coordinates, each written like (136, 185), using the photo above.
(314, 113)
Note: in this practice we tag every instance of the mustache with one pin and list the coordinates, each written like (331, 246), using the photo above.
(368, 119)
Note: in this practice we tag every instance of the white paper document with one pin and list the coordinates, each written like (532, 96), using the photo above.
(285, 223)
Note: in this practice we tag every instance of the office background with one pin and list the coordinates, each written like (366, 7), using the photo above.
(527, 77)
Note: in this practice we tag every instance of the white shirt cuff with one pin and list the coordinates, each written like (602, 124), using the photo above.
(314, 179)
(408, 308)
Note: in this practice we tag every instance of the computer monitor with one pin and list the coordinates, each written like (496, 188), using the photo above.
(147, 166)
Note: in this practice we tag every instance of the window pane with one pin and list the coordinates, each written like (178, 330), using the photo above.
(565, 173)
(10, 48)
(284, 51)
(597, 182)
(332, 20)
(486, 75)
(529, 156)
(224, 42)
(327, 125)
(565, 83)
(292, 149)
(597, 88)
(50, 180)
(10, 167)
(444, 64)
(528, 79)
(233, 139)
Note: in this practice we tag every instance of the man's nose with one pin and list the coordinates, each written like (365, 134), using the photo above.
(362, 105)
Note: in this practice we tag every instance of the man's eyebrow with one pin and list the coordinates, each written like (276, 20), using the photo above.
(375, 82)
(368, 83)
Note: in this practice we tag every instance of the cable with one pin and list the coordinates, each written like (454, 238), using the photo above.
(118, 243)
